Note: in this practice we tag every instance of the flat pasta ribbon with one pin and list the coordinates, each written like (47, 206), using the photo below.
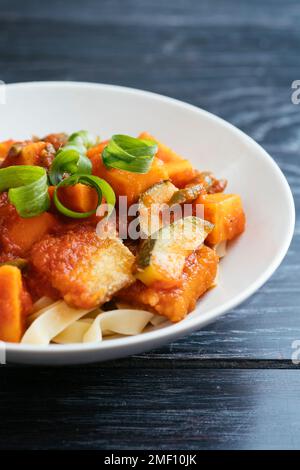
(51, 322)
(62, 324)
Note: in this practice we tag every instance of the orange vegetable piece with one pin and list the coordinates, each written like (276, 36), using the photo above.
(198, 275)
(123, 182)
(30, 153)
(225, 211)
(180, 171)
(4, 148)
(79, 198)
(15, 303)
(17, 235)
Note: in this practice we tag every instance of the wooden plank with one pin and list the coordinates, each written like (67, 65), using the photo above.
(123, 408)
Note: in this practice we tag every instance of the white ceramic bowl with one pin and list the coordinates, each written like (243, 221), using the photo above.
(211, 144)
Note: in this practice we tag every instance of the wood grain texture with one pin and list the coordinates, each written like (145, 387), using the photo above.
(169, 408)
(236, 59)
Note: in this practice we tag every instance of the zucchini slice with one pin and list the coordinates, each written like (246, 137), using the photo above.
(150, 205)
(188, 194)
(20, 263)
(162, 256)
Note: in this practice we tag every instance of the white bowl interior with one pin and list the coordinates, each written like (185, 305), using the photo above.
(210, 143)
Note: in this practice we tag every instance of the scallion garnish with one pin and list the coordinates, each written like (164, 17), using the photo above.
(27, 189)
(83, 137)
(103, 190)
(68, 161)
(129, 154)
(72, 158)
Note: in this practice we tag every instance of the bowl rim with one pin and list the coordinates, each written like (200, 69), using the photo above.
(171, 331)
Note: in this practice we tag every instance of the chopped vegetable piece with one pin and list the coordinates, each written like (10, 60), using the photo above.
(4, 149)
(71, 158)
(102, 189)
(129, 154)
(78, 198)
(150, 204)
(83, 138)
(57, 140)
(180, 171)
(197, 277)
(27, 189)
(209, 181)
(30, 153)
(17, 235)
(187, 195)
(20, 263)
(163, 152)
(123, 182)
(162, 257)
(15, 303)
(85, 269)
(225, 211)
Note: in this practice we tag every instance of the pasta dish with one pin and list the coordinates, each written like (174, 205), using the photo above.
(105, 237)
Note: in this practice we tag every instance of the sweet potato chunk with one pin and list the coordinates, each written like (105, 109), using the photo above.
(225, 211)
(17, 235)
(79, 198)
(4, 149)
(30, 153)
(84, 268)
(123, 182)
(180, 171)
(15, 303)
(198, 276)
(164, 153)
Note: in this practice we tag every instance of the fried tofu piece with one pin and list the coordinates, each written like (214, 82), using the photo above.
(85, 269)
(198, 276)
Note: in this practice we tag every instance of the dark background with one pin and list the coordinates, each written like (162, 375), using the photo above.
(231, 385)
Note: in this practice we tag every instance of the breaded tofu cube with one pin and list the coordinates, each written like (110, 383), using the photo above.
(198, 276)
(85, 269)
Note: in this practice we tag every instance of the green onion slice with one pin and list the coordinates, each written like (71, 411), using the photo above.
(27, 189)
(129, 154)
(69, 160)
(101, 186)
(84, 138)
(72, 158)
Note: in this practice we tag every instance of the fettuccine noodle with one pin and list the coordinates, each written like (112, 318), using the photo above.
(62, 324)
(124, 322)
(50, 323)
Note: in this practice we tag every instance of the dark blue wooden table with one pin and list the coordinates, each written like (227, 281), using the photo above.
(233, 384)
